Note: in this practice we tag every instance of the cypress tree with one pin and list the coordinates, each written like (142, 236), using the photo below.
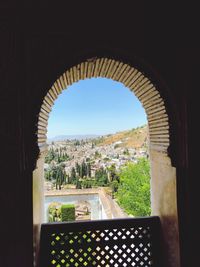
(73, 174)
(78, 169)
(89, 169)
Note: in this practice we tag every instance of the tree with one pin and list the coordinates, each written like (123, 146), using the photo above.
(84, 169)
(113, 173)
(97, 154)
(48, 174)
(60, 176)
(78, 184)
(77, 143)
(101, 177)
(88, 169)
(87, 160)
(134, 188)
(78, 169)
(50, 156)
(73, 175)
(126, 152)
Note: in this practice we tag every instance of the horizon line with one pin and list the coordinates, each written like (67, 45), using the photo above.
(97, 134)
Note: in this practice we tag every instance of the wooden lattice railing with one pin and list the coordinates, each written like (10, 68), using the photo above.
(117, 243)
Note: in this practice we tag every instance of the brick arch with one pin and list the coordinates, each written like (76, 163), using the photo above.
(132, 78)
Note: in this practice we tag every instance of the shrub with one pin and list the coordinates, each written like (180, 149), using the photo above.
(54, 212)
(67, 212)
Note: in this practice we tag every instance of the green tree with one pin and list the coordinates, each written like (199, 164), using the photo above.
(113, 173)
(77, 143)
(87, 183)
(84, 169)
(97, 154)
(78, 184)
(73, 175)
(60, 176)
(78, 169)
(88, 169)
(126, 152)
(51, 155)
(134, 188)
(48, 174)
(101, 177)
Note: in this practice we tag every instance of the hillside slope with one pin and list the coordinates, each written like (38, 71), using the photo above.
(134, 138)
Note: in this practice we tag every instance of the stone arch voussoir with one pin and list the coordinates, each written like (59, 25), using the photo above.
(132, 78)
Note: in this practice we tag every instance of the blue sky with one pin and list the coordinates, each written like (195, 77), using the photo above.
(95, 106)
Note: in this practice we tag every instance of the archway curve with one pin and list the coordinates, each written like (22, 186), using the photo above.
(163, 173)
(132, 78)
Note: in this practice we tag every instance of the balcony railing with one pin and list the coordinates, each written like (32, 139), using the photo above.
(116, 243)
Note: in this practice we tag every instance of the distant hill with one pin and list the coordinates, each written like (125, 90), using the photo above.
(134, 138)
(72, 137)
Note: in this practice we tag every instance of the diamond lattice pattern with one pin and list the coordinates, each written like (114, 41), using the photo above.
(116, 247)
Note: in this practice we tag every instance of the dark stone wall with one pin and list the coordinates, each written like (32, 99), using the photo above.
(38, 43)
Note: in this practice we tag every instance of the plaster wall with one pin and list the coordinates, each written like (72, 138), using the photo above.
(164, 204)
(38, 204)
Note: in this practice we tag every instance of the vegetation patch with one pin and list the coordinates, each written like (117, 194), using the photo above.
(133, 192)
(54, 212)
(61, 213)
(67, 212)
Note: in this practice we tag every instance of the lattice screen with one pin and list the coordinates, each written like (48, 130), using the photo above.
(117, 247)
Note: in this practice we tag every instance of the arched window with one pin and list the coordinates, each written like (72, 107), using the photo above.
(163, 174)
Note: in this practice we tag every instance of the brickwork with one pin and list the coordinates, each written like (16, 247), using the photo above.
(136, 81)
